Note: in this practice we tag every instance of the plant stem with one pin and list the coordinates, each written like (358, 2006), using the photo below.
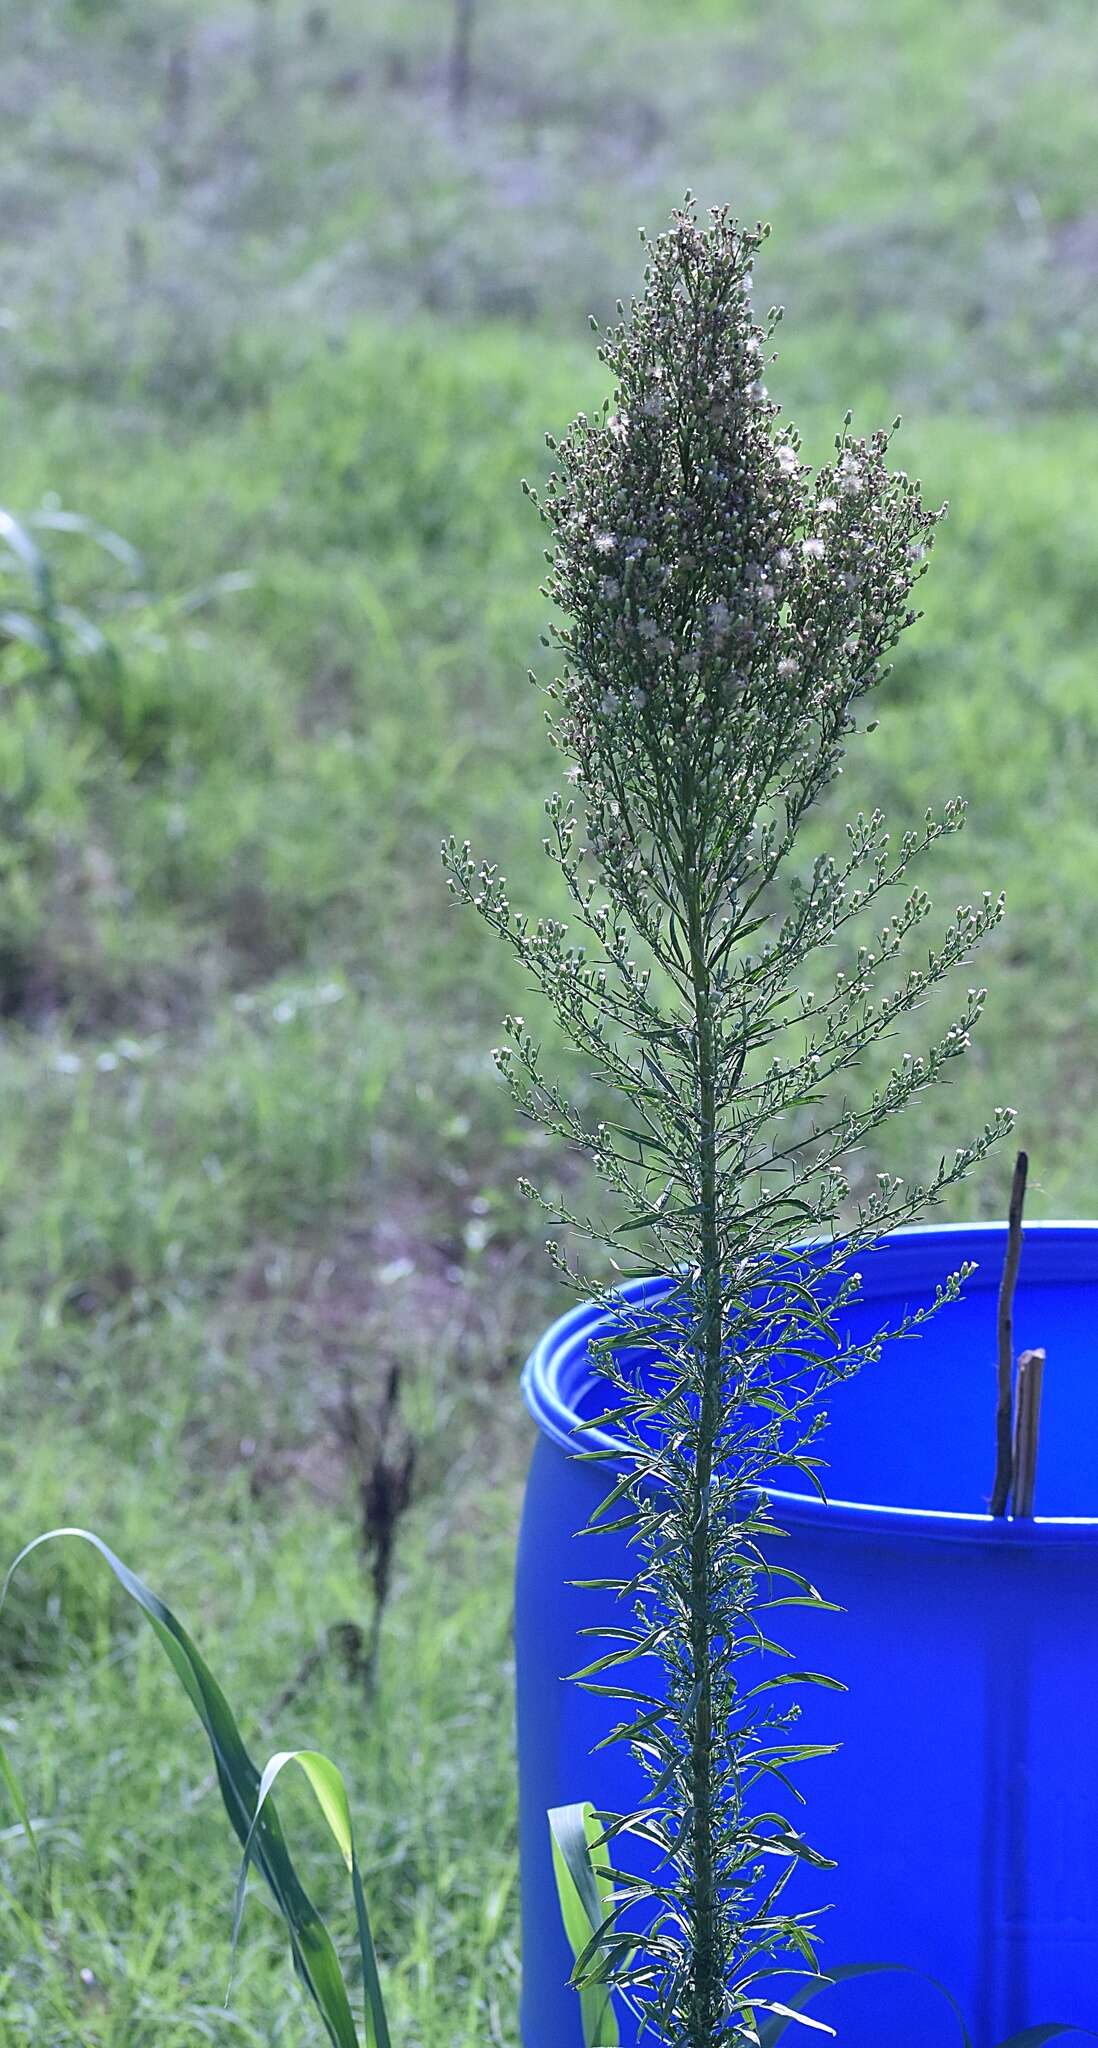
(1000, 1492)
(706, 1990)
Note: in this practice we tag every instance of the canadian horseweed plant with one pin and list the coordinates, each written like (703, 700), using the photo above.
(727, 612)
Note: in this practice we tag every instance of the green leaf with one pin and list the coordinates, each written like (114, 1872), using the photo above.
(17, 1799)
(20, 626)
(59, 521)
(253, 1816)
(26, 551)
(85, 632)
(586, 1901)
(330, 1791)
(791, 2014)
(793, 1678)
(788, 2013)
(225, 585)
(1035, 2037)
(42, 631)
(377, 2026)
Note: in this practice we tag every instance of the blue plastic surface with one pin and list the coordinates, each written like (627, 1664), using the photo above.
(962, 1807)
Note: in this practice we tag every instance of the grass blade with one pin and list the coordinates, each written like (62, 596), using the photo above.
(259, 1832)
(85, 632)
(56, 520)
(20, 626)
(16, 1796)
(329, 1789)
(773, 2029)
(225, 585)
(1035, 2037)
(25, 550)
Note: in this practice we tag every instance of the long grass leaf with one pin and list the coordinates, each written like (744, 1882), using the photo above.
(791, 2012)
(16, 1796)
(20, 626)
(1035, 2037)
(330, 1792)
(586, 1902)
(314, 1957)
(26, 551)
(56, 520)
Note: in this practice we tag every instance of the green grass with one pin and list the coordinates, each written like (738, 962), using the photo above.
(279, 311)
(124, 1937)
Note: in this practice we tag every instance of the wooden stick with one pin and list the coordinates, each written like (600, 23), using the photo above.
(1027, 1422)
(1000, 1492)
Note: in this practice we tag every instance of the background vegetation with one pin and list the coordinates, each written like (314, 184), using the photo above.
(288, 295)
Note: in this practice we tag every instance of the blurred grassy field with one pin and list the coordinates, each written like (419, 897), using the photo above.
(282, 300)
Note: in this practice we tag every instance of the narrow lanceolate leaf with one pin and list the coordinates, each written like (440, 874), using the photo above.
(800, 2019)
(253, 1818)
(585, 1892)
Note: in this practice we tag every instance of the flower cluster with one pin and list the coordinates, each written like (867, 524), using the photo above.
(727, 605)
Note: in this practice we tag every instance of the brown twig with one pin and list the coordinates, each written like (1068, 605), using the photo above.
(1000, 1492)
(1027, 1422)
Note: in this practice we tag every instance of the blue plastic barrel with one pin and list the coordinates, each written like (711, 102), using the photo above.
(962, 1806)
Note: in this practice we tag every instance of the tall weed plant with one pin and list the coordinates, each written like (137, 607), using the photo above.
(728, 611)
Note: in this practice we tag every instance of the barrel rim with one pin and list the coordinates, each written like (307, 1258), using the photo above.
(557, 1367)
